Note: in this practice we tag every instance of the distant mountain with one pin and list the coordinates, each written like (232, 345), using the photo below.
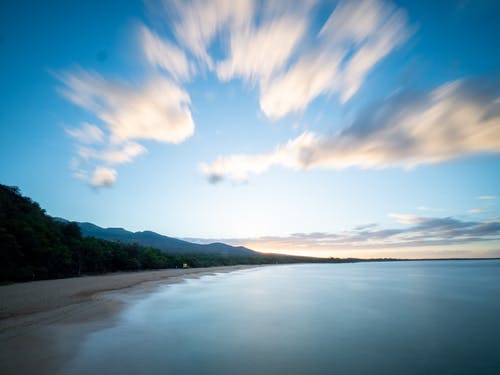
(164, 243)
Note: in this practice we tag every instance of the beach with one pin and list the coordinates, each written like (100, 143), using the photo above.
(43, 322)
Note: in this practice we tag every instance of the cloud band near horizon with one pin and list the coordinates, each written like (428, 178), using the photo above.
(434, 236)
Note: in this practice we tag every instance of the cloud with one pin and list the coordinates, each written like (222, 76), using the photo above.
(457, 119)
(486, 197)
(157, 110)
(112, 155)
(269, 44)
(404, 218)
(474, 211)
(256, 53)
(426, 208)
(417, 233)
(162, 53)
(357, 35)
(103, 177)
(195, 23)
(262, 41)
(87, 133)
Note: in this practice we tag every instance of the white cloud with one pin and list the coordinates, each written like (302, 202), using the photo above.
(103, 177)
(310, 77)
(390, 34)
(475, 211)
(426, 208)
(163, 54)
(239, 167)
(262, 41)
(456, 119)
(124, 154)
(486, 197)
(87, 133)
(158, 110)
(195, 23)
(257, 53)
(405, 218)
(357, 35)
(113, 154)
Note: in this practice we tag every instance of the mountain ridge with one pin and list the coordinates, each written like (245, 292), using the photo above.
(164, 243)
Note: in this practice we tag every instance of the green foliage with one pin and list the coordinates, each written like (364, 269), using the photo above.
(34, 246)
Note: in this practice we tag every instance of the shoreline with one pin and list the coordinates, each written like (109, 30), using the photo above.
(43, 323)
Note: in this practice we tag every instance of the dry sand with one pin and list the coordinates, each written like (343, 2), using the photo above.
(43, 322)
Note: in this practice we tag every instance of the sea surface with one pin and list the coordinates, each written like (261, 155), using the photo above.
(423, 317)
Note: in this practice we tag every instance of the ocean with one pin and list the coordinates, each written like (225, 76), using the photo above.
(416, 317)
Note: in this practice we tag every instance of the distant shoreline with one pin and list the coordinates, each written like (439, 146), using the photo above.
(186, 271)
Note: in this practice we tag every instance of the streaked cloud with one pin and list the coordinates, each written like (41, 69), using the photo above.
(156, 110)
(457, 119)
(281, 49)
(357, 35)
(161, 53)
(114, 154)
(263, 40)
(269, 44)
(196, 23)
(486, 197)
(475, 211)
(257, 52)
(86, 133)
(419, 235)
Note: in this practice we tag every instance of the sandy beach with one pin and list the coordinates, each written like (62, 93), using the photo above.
(43, 322)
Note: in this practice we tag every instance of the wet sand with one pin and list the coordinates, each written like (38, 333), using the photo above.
(42, 323)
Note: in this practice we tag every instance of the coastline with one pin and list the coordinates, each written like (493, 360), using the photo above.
(42, 323)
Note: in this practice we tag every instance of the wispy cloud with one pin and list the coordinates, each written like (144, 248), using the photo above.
(257, 53)
(263, 40)
(112, 155)
(486, 197)
(357, 35)
(417, 233)
(157, 110)
(162, 53)
(457, 119)
(196, 23)
(86, 133)
(475, 211)
(276, 47)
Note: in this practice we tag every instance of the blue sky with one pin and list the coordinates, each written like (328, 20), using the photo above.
(351, 128)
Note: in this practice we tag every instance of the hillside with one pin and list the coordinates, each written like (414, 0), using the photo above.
(164, 243)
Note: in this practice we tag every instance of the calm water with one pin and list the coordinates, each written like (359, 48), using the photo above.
(378, 318)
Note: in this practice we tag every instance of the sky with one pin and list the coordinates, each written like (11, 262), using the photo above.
(326, 128)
